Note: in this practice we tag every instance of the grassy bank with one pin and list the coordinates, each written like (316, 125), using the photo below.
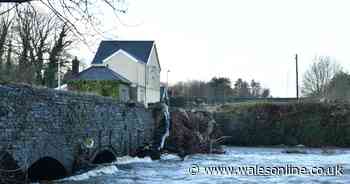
(310, 124)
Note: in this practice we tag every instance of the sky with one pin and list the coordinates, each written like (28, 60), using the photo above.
(249, 39)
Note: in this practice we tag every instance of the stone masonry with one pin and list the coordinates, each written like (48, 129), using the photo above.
(37, 123)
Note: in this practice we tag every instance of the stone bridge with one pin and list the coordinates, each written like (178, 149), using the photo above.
(48, 134)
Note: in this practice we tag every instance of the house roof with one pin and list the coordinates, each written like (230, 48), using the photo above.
(99, 73)
(138, 49)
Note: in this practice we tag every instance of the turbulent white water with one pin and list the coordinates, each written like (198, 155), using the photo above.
(172, 170)
(167, 125)
(129, 160)
(106, 169)
(103, 170)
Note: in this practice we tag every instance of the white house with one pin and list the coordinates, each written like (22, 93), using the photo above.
(138, 62)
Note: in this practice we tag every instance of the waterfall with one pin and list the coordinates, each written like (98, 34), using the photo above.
(165, 108)
(167, 124)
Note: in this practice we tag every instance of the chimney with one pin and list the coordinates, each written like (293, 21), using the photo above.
(75, 66)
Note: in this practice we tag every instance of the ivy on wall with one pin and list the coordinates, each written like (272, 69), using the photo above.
(101, 87)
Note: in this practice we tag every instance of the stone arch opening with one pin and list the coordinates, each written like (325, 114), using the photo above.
(104, 156)
(10, 171)
(46, 168)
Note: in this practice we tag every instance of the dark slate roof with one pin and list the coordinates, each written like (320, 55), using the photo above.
(138, 49)
(99, 73)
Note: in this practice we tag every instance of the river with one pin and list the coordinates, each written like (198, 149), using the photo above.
(171, 169)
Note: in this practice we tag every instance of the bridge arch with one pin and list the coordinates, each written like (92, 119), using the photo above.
(46, 168)
(10, 171)
(102, 156)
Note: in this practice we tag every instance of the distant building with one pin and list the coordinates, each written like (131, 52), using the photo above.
(134, 64)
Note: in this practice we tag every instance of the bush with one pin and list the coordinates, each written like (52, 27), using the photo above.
(311, 124)
(103, 88)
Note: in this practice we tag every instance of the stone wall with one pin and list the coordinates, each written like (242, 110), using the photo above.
(37, 123)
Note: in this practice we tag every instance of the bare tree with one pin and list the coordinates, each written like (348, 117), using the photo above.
(43, 26)
(24, 29)
(74, 12)
(265, 93)
(34, 45)
(8, 64)
(339, 87)
(5, 23)
(318, 76)
(241, 88)
(255, 88)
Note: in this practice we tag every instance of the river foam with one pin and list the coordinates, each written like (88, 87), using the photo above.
(102, 170)
(129, 160)
(169, 157)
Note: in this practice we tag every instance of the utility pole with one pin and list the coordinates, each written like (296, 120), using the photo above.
(297, 79)
(146, 70)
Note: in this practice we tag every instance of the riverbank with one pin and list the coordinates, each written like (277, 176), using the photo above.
(267, 124)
